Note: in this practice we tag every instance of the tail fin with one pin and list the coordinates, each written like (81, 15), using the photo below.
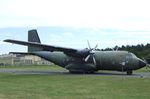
(33, 37)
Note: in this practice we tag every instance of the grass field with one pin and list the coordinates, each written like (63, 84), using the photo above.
(38, 67)
(36, 86)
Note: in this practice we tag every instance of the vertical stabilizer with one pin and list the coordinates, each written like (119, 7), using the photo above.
(33, 37)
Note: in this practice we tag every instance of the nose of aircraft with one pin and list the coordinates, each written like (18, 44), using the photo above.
(141, 63)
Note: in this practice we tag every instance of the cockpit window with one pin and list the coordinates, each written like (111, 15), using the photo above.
(132, 55)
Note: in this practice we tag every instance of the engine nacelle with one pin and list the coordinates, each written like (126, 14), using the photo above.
(79, 53)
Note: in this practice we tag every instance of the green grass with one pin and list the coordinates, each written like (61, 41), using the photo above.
(45, 86)
(145, 69)
(72, 87)
(30, 67)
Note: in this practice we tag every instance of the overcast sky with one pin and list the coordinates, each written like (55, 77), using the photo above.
(71, 23)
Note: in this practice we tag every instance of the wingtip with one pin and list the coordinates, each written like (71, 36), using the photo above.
(7, 40)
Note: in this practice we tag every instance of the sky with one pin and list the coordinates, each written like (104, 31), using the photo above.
(70, 23)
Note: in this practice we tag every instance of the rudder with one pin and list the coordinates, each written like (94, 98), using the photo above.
(33, 37)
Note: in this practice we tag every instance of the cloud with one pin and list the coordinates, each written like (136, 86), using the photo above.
(78, 13)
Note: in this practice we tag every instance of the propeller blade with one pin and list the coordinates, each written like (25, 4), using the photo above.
(89, 45)
(87, 58)
(94, 61)
(95, 47)
(112, 49)
(116, 48)
(91, 53)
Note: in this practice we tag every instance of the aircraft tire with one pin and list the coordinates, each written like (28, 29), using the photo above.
(129, 72)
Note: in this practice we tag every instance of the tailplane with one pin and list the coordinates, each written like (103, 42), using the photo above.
(33, 37)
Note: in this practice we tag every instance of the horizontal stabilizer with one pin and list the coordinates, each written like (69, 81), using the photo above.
(21, 53)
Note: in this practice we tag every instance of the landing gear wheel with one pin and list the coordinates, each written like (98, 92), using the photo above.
(129, 72)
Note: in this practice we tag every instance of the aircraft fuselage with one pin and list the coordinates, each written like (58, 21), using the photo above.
(105, 60)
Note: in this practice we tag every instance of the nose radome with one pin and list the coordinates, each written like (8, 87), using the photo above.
(142, 64)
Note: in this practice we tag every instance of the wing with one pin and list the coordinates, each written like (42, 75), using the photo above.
(43, 47)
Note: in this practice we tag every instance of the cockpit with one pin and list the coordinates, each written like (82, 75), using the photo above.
(131, 55)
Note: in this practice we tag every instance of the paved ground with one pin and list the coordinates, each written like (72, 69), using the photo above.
(48, 72)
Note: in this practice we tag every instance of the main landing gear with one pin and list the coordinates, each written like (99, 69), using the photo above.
(129, 72)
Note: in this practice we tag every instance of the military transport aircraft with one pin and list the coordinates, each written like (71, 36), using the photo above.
(86, 60)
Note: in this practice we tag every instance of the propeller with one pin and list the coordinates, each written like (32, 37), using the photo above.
(115, 48)
(91, 53)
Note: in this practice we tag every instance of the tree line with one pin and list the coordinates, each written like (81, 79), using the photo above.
(140, 50)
